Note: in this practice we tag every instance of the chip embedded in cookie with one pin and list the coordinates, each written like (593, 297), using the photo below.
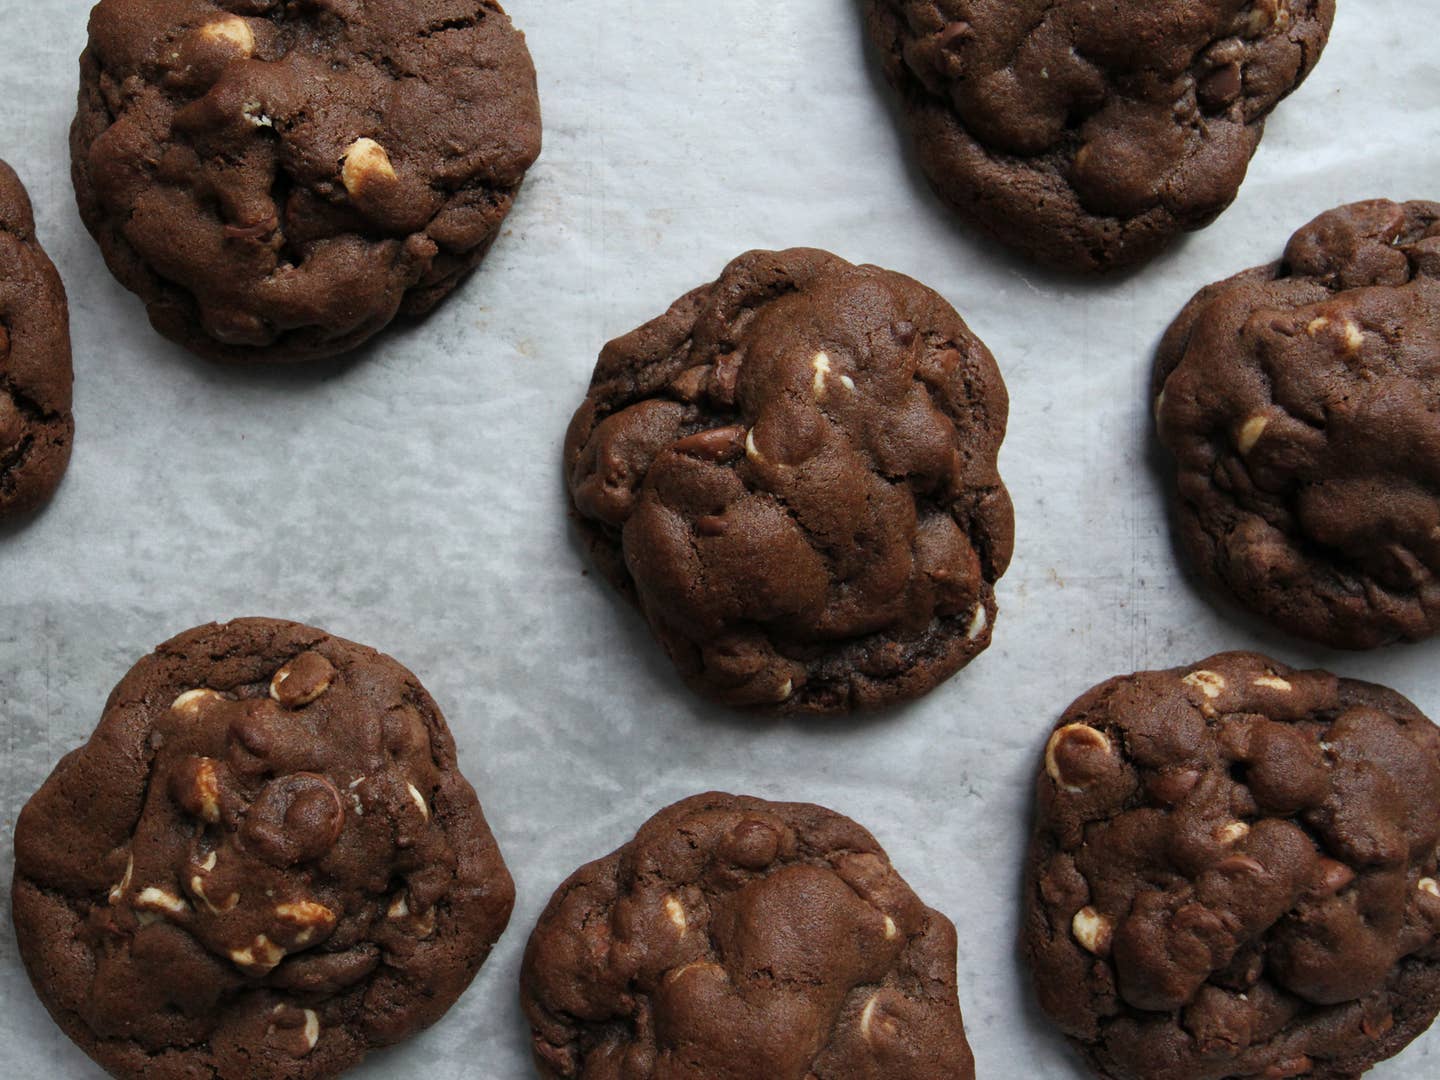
(264, 863)
(36, 425)
(793, 472)
(1300, 402)
(278, 180)
(1233, 874)
(1089, 135)
(744, 939)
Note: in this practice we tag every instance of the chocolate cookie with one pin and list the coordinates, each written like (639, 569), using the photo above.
(277, 179)
(263, 864)
(793, 473)
(739, 939)
(1233, 874)
(1300, 401)
(1089, 135)
(36, 426)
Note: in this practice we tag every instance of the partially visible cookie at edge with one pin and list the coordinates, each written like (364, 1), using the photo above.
(36, 424)
(263, 864)
(793, 473)
(277, 181)
(1085, 135)
(1233, 874)
(745, 939)
(1301, 402)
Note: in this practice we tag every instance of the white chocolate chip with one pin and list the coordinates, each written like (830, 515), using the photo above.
(1354, 338)
(1274, 682)
(1072, 733)
(254, 112)
(197, 886)
(399, 907)
(312, 1029)
(117, 892)
(786, 689)
(210, 861)
(1251, 432)
(207, 790)
(366, 163)
(676, 912)
(821, 364)
(1159, 406)
(419, 800)
(891, 930)
(751, 451)
(848, 383)
(154, 899)
(1430, 885)
(1209, 683)
(867, 1015)
(232, 31)
(1093, 930)
(1232, 833)
(1263, 15)
(978, 622)
(316, 675)
(1317, 325)
(425, 924)
(261, 953)
(191, 702)
(304, 913)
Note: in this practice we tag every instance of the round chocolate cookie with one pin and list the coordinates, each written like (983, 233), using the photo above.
(1233, 874)
(1089, 135)
(793, 472)
(739, 939)
(264, 863)
(1301, 401)
(36, 426)
(277, 179)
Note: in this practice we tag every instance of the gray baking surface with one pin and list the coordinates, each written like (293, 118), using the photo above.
(411, 498)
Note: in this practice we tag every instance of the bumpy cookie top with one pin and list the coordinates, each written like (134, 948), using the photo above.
(264, 863)
(36, 427)
(1234, 873)
(277, 179)
(1089, 134)
(1300, 401)
(738, 939)
(794, 471)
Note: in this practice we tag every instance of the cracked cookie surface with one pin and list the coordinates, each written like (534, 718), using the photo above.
(1089, 135)
(36, 424)
(1233, 874)
(277, 179)
(739, 939)
(793, 472)
(264, 863)
(1301, 402)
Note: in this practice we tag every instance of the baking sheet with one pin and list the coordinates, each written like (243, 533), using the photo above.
(411, 498)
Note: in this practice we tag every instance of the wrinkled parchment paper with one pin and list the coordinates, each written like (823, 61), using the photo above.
(411, 498)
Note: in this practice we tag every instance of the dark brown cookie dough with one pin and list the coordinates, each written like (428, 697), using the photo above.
(793, 472)
(264, 863)
(1089, 135)
(277, 179)
(1301, 401)
(739, 939)
(1233, 874)
(36, 426)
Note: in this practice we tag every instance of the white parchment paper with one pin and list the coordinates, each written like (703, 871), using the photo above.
(411, 499)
